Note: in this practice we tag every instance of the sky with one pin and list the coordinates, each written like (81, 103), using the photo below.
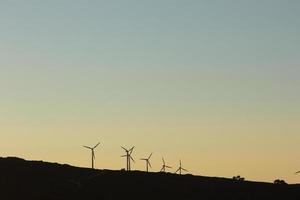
(214, 83)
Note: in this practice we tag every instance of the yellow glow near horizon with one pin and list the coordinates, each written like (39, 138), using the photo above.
(206, 148)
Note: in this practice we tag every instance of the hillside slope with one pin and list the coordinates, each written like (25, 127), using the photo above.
(20, 179)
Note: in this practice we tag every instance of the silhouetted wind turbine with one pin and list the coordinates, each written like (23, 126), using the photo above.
(163, 169)
(93, 153)
(128, 157)
(148, 164)
(180, 169)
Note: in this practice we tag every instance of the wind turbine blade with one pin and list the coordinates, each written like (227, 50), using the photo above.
(163, 161)
(149, 163)
(169, 167)
(143, 159)
(150, 156)
(124, 156)
(297, 172)
(184, 169)
(177, 171)
(132, 159)
(87, 147)
(124, 149)
(130, 150)
(93, 154)
(96, 146)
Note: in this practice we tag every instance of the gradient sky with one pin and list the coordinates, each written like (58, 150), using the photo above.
(214, 83)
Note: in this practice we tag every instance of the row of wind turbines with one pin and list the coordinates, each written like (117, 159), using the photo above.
(129, 158)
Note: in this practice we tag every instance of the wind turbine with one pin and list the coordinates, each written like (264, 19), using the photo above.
(164, 167)
(148, 164)
(93, 153)
(128, 157)
(180, 169)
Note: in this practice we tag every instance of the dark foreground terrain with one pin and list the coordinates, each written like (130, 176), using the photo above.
(30, 180)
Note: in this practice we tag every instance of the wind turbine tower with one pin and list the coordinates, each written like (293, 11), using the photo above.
(128, 157)
(93, 153)
(148, 164)
(180, 169)
(164, 167)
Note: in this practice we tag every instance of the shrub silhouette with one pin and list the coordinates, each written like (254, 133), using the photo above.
(280, 182)
(238, 178)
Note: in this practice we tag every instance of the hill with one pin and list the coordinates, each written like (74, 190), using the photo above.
(37, 180)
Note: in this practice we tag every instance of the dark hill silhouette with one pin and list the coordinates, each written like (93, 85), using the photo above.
(36, 180)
